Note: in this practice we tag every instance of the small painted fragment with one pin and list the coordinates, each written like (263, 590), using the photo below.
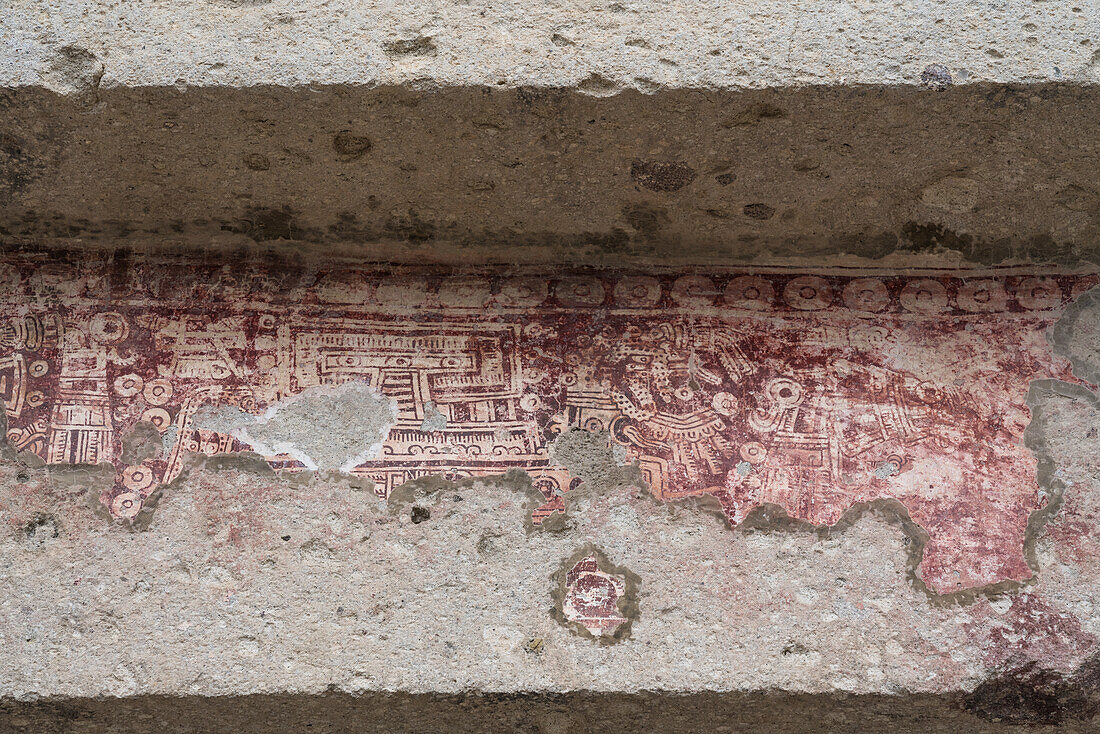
(592, 597)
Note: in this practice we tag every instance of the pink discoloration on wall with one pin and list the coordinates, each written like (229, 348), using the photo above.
(811, 391)
(1030, 629)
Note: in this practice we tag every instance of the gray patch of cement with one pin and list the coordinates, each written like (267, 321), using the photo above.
(594, 458)
(433, 419)
(1040, 397)
(1076, 336)
(326, 428)
(142, 442)
(420, 495)
(886, 470)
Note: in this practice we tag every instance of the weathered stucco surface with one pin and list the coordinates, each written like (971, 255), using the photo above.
(811, 391)
(549, 367)
(236, 580)
(597, 47)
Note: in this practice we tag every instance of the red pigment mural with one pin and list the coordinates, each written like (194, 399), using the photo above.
(592, 597)
(810, 391)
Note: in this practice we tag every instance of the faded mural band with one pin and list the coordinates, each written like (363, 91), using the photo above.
(813, 392)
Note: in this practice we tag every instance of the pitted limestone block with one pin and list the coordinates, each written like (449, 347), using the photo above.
(601, 47)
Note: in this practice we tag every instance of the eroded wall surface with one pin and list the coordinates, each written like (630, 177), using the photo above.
(477, 175)
(260, 476)
(549, 367)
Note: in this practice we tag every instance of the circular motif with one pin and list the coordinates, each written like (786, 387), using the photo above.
(38, 368)
(464, 292)
(1039, 294)
(126, 504)
(808, 293)
(753, 452)
(637, 291)
(866, 294)
(684, 393)
(129, 385)
(108, 328)
(580, 291)
(159, 417)
(784, 392)
(593, 425)
(530, 402)
(924, 296)
(694, 290)
(157, 392)
(138, 478)
(750, 291)
(618, 425)
(36, 398)
(522, 292)
(724, 403)
(982, 296)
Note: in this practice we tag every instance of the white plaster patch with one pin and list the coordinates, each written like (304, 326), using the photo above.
(330, 427)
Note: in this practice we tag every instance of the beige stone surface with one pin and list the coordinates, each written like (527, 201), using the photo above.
(597, 47)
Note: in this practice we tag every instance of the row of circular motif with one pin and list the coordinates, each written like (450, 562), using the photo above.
(812, 293)
(805, 293)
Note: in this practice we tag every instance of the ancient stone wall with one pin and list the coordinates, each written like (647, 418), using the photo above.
(557, 368)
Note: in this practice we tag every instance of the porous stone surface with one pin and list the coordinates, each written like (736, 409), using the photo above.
(598, 47)
(473, 132)
(253, 575)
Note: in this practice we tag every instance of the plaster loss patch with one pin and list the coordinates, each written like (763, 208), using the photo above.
(327, 428)
(811, 391)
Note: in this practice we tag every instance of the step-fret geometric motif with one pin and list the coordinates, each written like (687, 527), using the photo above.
(811, 391)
